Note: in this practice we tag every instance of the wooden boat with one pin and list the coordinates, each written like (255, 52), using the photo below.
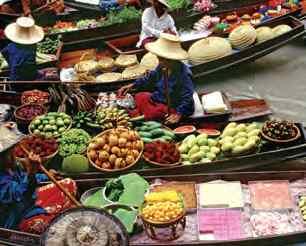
(11, 237)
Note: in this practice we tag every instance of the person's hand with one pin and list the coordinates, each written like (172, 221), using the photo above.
(124, 89)
(31, 164)
(172, 119)
(55, 174)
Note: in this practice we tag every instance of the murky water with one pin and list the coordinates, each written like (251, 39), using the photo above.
(280, 78)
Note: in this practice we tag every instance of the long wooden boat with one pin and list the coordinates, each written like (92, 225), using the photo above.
(11, 237)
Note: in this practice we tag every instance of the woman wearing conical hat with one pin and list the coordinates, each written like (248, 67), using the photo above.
(20, 54)
(171, 86)
(156, 20)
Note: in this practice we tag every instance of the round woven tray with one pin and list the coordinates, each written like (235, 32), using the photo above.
(276, 141)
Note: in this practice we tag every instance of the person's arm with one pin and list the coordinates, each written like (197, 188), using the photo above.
(146, 24)
(26, 7)
(5, 53)
(186, 107)
(172, 26)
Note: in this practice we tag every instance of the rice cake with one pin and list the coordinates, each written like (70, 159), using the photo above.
(134, 72)
(109, 77)
(106, 63)
(126, 60)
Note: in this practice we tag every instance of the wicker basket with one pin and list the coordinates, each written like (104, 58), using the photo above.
(114, 170)
(162, 164)
(287, 141)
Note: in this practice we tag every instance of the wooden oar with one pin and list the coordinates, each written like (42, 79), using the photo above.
(166, 81)
(50, 176)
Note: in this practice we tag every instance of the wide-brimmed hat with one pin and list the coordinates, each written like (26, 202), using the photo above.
(163, 2)
(24, 31)
(168, 46)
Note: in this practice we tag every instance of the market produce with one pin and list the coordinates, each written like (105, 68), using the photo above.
(162, 207)
(51, 124)
(264, 33)
(75, 163)
(48, 46)
(84, 119)
(29, 111)
(162, 152)
(280, 129)
(178, 4)
(125, 15)
(134, 72)
(106, 63)
(112, 117)
(73, 141)
(188, 129)
(151, 130)
(242, 36)
(209, 49)
(38, 145)
(199, 148)
(115, 149)
(63, 26)
(126, 60)
(237, 139)
(302, 206)
(86, 66)
(109, 77)
(35, 96)
(87, 24)
(281, 29)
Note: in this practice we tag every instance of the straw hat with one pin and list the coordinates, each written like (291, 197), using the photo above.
(167, 46)
(24, 31)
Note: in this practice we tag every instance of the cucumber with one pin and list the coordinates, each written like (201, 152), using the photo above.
(157, 132)
(146, 140)
(143, 129)
(167, 138)
(151, 125)
(169, 134)
(145, 134)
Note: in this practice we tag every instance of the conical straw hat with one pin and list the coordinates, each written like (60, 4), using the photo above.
(24, 31)
(167, 46)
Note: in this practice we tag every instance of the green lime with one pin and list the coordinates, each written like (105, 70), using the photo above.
(60, 122)
(37, 122)
(62, 129)
(67, 121)
(48, 135)
(40, 127)
(36, 131)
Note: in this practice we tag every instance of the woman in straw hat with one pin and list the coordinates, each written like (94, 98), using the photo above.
(21, 53)
(156, 20)
(27, 206)
(172, 96)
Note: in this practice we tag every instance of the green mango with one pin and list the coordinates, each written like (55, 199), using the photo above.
(212, 142)
(254, 132)
(197, 156)
(184, 148)
(186, 140)
(205, 148)
(185, 157)
(192, 142)
(215, 150)
(187, 163)
(241, 127)
(205, 160)
(255, 138)
(231, 125)
(240, 141)
(252, 127)
(239, 150)
(201, 136)
(194, 150)
(211, 156)
(227, 147)
(250, 144)
(241, 135)
(202, 139)
(229, 132)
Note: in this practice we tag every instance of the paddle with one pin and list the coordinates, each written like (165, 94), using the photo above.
(50, 176)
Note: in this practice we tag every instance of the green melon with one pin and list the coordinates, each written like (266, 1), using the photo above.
(75, 163)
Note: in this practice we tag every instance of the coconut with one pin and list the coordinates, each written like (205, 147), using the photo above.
(75, 163)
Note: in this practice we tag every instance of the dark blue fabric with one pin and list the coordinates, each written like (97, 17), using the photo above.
(21, 60)
(180, 88)
(108, 5)
(17, 197)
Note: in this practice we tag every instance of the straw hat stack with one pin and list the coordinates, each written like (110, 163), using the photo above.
(281, 29)
(242, 36)
(134, 72)
(150, 61)
(263, 34)
(209, 49)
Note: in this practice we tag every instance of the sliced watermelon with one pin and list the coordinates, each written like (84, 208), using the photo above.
(209, 132)
(184, 129)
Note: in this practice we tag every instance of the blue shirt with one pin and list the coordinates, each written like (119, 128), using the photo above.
(17, 197)
(21, 60)
(180, 88)
(108, 5)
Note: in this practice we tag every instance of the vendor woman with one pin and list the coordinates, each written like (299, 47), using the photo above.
(20, 54)
(23, 204)
(172, 98)
(155, 20)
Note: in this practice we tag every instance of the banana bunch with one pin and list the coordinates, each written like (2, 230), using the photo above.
(112, 117)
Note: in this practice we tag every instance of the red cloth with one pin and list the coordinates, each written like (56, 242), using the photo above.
(53, 201)
(151, 110)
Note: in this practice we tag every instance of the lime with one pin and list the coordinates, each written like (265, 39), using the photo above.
(62, 129)
(48, 128)
(45, 122)
(60, 122)
(67, 121)
(37, 122)
(55, 133)
(48, 135)
(36, 131)
(32, 126)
